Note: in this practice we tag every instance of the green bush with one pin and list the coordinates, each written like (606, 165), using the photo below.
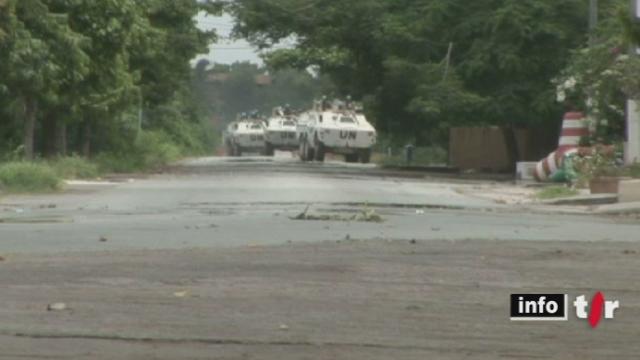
(74, 167)
(156, 149)
(152, 150)
(19, 177)
(116, 163)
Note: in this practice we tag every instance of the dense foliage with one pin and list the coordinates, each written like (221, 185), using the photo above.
(79, 75)
(113, 79)
(424, 65)
(228, 90)
(602, 75)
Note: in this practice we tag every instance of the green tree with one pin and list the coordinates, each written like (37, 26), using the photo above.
(601, 75)
(91, 65)
(109, 88)
(161, 51)
(41, 57)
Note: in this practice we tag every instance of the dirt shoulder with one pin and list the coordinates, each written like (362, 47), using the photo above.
(347, 300)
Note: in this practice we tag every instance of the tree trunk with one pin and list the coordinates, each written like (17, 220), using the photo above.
(61, 138)
(30, 113)
(511, 142)
(49, 136)
(86, 139)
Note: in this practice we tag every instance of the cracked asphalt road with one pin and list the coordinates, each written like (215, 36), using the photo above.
(204, 262)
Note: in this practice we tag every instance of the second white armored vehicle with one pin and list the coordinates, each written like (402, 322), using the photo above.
(338, 128)
(281, 132)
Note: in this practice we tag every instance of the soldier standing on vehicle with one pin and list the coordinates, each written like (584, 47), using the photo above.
(326, 105)
(349, 103)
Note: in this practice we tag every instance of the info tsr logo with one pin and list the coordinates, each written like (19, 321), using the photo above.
(554, 307)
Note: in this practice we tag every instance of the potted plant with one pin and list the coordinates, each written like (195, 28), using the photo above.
(597, 169)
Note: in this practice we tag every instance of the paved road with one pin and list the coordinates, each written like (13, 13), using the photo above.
(205, 262)
(221, 203)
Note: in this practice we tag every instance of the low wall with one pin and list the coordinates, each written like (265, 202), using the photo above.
(484, 148)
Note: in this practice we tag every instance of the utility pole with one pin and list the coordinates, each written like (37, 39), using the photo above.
(593, 15)
(140, 114)
(593, 19)
(447, 62)
(593, 24)
(632, 140)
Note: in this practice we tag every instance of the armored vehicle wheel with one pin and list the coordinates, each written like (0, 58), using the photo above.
(365, 156)
(302, 150)
(320, 151)
(228, 149)
(351, 158)
(269, 150)
(308, 151)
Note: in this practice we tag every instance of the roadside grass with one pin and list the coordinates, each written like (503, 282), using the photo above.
(422, 156)
(26, 177)
(115, 163)
(75, 168)
(151, 151)
(556, 192)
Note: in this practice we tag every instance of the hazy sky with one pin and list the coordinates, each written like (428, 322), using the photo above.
(225, 51)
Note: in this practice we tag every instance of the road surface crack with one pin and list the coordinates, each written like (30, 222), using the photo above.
(212, 341)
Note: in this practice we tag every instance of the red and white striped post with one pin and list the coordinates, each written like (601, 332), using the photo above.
(574, 128)
(547, 167)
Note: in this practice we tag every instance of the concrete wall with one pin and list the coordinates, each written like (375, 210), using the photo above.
(484, 148)
(629, 191)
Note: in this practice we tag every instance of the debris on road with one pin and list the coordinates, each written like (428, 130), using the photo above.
(370, 215)
(366, 215)
(48, 206)
(284, 327)
(181, 294)
(2, 258)
(57, 307)
(302, 215)
(103, 239)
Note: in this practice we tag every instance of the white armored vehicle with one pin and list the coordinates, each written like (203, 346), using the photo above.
(245, 136)
(338, 128)
(281, 132)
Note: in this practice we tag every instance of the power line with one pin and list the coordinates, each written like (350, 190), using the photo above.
(248, 48)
